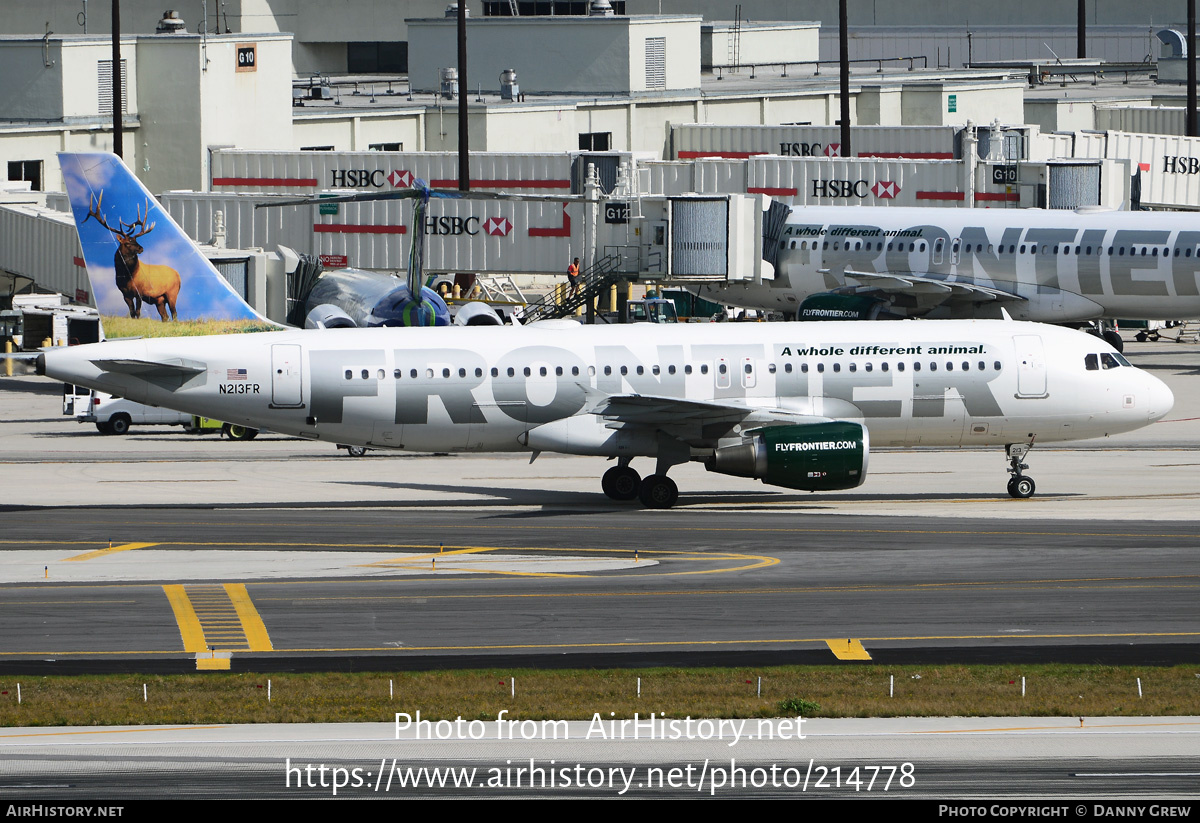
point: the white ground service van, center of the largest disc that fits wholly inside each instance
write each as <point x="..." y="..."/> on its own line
<point x="115" y="415"/>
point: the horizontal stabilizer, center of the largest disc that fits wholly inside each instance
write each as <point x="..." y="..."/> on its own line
<point x="170" y="374"/>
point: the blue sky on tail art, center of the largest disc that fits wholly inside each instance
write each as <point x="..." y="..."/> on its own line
<point x="203" y="294"/>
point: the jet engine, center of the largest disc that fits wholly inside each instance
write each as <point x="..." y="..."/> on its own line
<point x="817" y="457"/>
<point x="834" y="306"/>
<point x="327" y="316"/>
<point x="477" y="314"/>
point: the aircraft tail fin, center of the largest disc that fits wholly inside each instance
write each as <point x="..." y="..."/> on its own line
<point x="148" y="278"/>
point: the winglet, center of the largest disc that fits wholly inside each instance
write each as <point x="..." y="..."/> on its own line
<point x="144" y="270"/>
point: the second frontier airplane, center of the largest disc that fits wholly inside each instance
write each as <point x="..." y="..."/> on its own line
<point x="1052" y="266"/>
<point x="792" y="405"/>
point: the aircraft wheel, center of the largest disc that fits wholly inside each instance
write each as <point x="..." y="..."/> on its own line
<point x="119" y="424"/>
<point x="1113" y="339"/>
<point x="658" y="492"/>
<point x="1021" y="487"/>
<point x="237" y="432"/>
<point x="621" y="483"/>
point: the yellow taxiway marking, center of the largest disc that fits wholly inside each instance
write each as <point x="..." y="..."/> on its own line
<point x="217" y="617"/>
<point x="755" y="561"/>
<point x="189" y="625"/>
<point x="424" y="568"/>
<point x="434" y="555"/>
<point x="252" y="624"/>
<point x="848" y="649"/>
<point x="213" y="664"/>
<point x="113" y="550"/>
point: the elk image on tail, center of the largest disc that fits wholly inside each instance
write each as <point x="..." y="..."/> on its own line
<point x="139" y="282"/>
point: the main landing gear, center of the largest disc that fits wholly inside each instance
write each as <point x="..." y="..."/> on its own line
<point x="624" y="483"/>
<point x="1019" y="485"/>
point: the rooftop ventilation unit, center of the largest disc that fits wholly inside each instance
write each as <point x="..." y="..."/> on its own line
<point x="509" y="90"/>
<point x="449" y="82"/>
<point x="171" y="23"/>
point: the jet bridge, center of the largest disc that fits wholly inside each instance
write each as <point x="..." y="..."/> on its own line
<point x="693" y="238"/>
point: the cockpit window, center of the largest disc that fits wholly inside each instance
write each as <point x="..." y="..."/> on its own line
<point x="1092" y="362"/>
<point x="1107" y="361"/>
<point x="1121" y="359"/>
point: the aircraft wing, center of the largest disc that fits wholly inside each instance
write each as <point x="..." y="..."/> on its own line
<point x="908" y="283"/>
<point x="695" y="422"/>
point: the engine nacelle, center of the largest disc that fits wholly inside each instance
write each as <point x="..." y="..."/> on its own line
<point x="817" y="457"/>
<point x="833" y="306"/>
<point x="328" y="316"/>
<point x="477" y="314"/>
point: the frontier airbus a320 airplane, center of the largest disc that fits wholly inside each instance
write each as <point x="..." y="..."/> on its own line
<point x="795" y="405"/>
<point x="1051" y="266"/>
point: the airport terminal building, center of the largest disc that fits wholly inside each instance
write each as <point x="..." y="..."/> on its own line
<point x="662" y="107"/>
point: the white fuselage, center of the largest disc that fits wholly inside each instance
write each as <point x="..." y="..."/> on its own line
<point x="1068" y="266"/>
<point x="946" y="383"/>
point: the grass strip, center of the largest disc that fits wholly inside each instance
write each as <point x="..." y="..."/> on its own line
<point x="836" y="691"/>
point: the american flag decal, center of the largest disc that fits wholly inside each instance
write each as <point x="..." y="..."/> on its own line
<point x="235" y="374"/>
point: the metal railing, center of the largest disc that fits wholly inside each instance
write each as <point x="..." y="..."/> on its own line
<point x="754" y="67"/>
<point x="593" y="282"/>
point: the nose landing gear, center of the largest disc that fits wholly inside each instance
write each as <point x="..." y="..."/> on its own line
<point x="1020" y="485"/>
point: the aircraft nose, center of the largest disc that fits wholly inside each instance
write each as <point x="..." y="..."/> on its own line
<point x="1161" y="399"/>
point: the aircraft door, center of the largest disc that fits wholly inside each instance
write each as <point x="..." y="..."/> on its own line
<point x="722" y="375"/>
<point x="287" y="376"/>
<point x="749" y="379"/>
<point x="1031" y="366"/>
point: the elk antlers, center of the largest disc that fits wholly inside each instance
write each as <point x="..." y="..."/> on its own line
<point x="127" y="229"/>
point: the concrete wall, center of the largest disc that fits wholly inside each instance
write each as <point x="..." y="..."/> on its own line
<point x="759" y="43"/>
<point x="31" y="89"/>
<point x="585" y="55"/>
<point x="929" y="104"/>
<point x="195" y="98"/>
<point x="879" y="105"/>
<point x="66" y="88"/>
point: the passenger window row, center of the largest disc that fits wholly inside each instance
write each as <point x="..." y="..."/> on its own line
<point x="722" y="368"/>
<point x="1024" y="248"/>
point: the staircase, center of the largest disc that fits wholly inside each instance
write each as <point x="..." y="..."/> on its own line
<point x="594" y="281"/>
